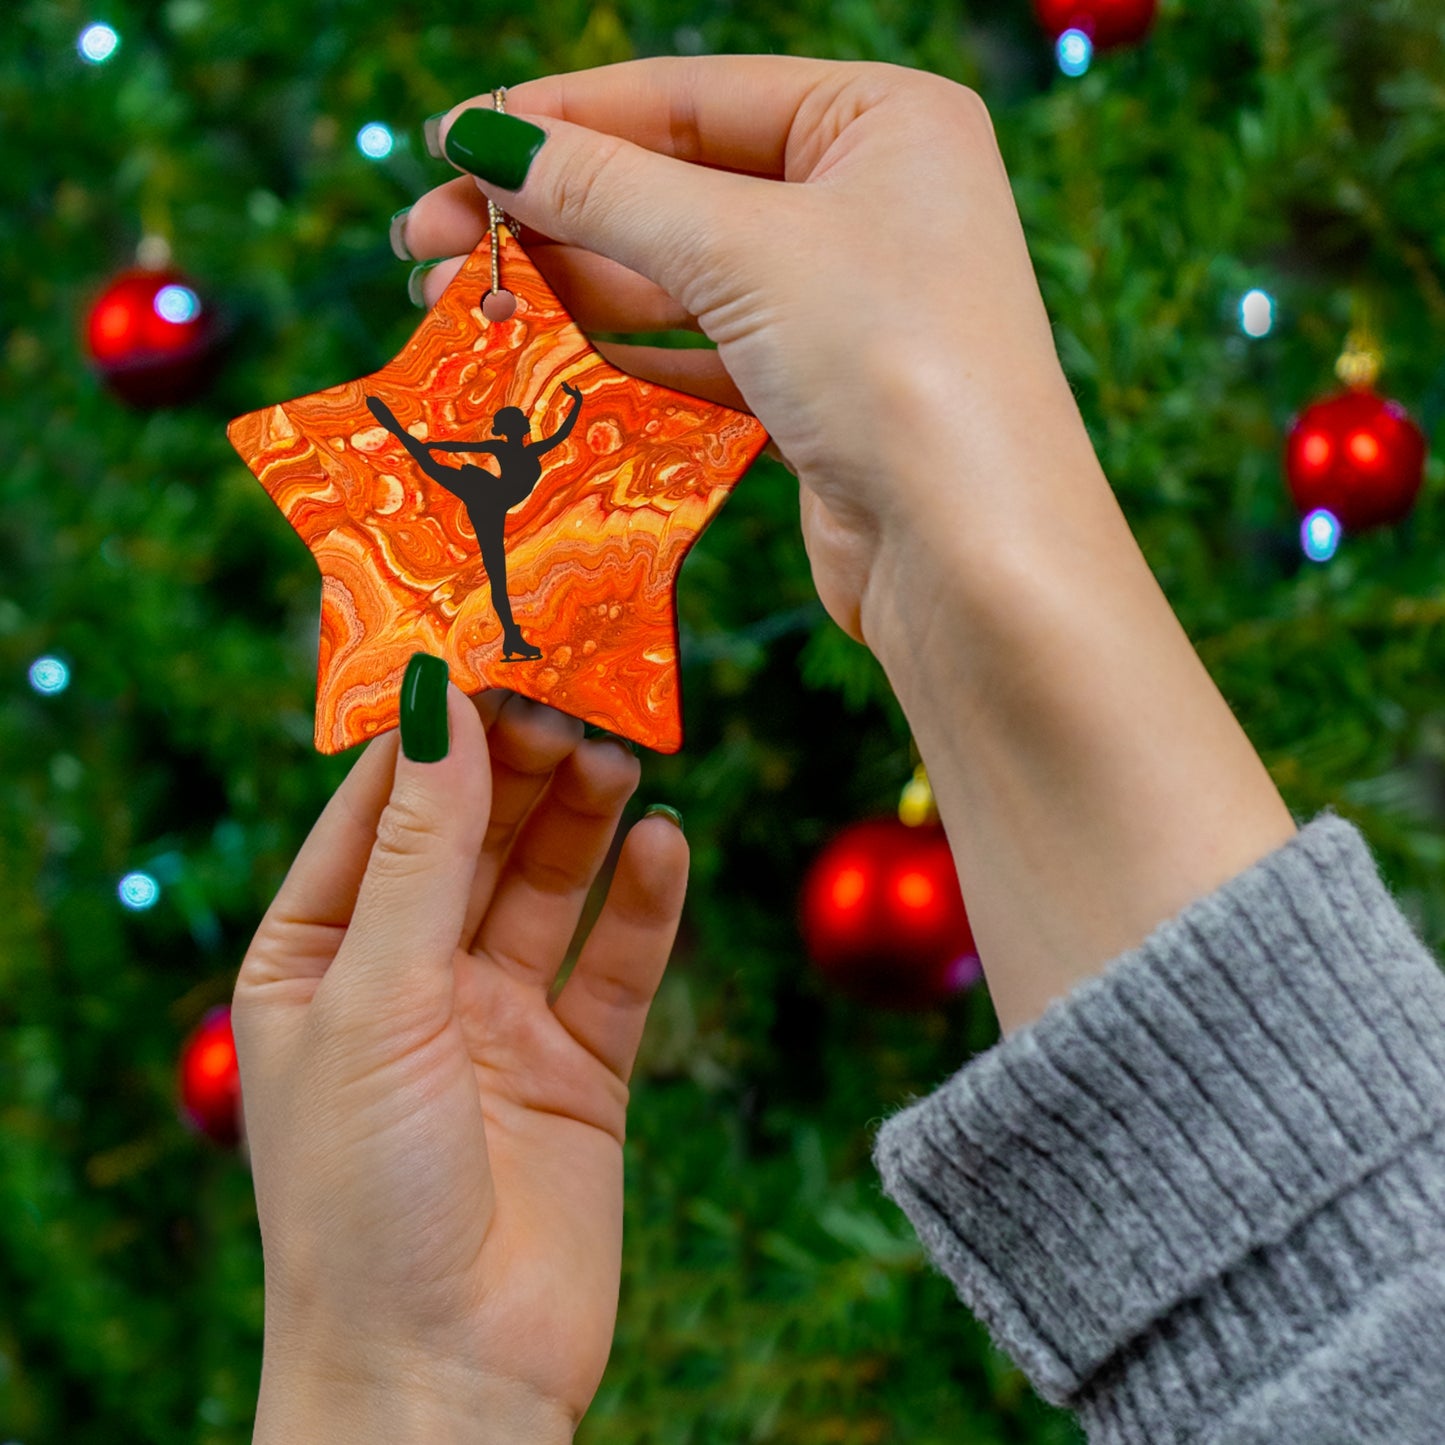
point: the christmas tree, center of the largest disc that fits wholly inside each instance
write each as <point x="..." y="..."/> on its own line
<point x="1212" y="213"/>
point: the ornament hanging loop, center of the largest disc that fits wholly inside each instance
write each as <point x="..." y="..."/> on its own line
<point x="498" y="304"/>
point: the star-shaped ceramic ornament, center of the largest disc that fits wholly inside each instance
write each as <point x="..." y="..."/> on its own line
<point x="502" y="497"/>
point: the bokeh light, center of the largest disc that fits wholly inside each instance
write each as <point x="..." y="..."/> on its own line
<point x="1256" y="313"/>
<point x="138" y="891"/>
<point x="849" y="887"/>
<point x="1075" y="52"/>
<point x="375" y="140"/>
<point x="177" y="303"/>
<point x="49" y="675"/>
<point x="97" y="43"/>
<point x="914" y="889"/>
<point x="1364" y="448"/>
<point x="964" y="971"/>
<point x="1315" y="451"/>
<point x="1320" y="535"/>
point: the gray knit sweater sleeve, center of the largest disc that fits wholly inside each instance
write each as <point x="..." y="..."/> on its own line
<point x="1202" y="1199"/>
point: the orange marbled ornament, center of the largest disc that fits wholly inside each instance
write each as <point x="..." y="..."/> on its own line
<point x="592" y="552"/>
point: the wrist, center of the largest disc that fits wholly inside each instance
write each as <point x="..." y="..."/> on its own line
<point x="981" y="513"/>
<point x="420" y="1401"/>
<point x="1092" y="779"/>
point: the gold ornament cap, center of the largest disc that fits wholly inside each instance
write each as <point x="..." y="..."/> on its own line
<point x="1360" y="362"/>
<point x="915" y="804"/>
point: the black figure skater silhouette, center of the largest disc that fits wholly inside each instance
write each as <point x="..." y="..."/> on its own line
<point x="488" y="498"/>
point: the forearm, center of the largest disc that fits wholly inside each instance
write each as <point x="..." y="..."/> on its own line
<point x="1092" y="779"/>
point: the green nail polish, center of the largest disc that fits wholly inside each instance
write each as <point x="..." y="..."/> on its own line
<point x="671" y="814"/>
<point x="424" y="734"/>
<point x="431" y="133"/>
<point x="397" y="234"/>
<point x="413" y="283"/>
<point x="498" y="148"/>
<point x="592" y="732"/>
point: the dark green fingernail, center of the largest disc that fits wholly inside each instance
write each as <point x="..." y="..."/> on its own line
<point x="591" y="730"/>
<point x="671" y="814"/>
<point x="431" y="133"/>
<point x="424" y="735"/>
<point x="413" y="283"/>
<point x="498" y="148"/>
<point x="397" y="235"/>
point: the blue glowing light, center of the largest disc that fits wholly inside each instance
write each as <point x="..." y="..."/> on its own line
<point x="1320" y="535"/>
<point x="1256" y="313"/>
<point x="138" y="891"/>
<point x="49" y="675"/>
<point x="375" y="140"/>
<point x="178" y="304"/>
<point x="1075" y="52"/>
<point x="97" y="43"/>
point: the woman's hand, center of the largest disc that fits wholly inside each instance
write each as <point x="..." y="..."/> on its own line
<point x="437" y="1148"/>
<point x="880" y="314"/>
<point x="847" y="234"/>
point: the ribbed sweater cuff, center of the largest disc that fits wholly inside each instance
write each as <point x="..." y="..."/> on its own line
<point x="1175" y="1118"/>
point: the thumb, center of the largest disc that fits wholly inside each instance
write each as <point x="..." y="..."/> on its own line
<point x="678" y="224"/>
<point x="395" y="964"/>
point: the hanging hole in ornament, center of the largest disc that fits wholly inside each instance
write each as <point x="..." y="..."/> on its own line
<point x="499" y="305"/>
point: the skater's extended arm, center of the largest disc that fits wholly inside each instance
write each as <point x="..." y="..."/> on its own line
<point x="565" y="430"/>
<point x="462" y="447"/>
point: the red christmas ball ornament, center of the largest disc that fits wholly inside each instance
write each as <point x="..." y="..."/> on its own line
<point x="883" y="916"/>
<point x="152" y="338"/>
<point x="1359" y="456"/>
<point x="210" y="1080"/>
<point x="1107" y="23"/>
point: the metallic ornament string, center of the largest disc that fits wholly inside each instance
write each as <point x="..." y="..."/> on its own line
<point x="498" y="304"/>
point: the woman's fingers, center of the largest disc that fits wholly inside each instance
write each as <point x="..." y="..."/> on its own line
<point x="299" y="934"/>
<point x="597" y="293"/>
<point x="425" y="287"/>
<point x="605" y="1000"/>
<point x="393" y="972"/>
<point x="556" y="855"/>
<point x="489" y="703"/>
<point x="696" y="370"/>
<point x="601" y="295"/>
<point x="738" y="112"/>
<point x="527" y="741"/>
<point x="448" y="223"/>
<point x="449" y="220"/>
<point x="662" y="218"/>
